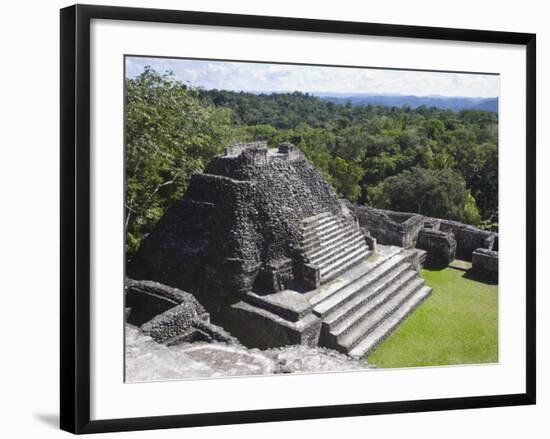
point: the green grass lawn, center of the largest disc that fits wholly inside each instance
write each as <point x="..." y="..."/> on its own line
<point x="457" y="324"/>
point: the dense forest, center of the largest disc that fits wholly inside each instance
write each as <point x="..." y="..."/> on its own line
<point x="426" y="160"/>
<point x="447" y="103"/>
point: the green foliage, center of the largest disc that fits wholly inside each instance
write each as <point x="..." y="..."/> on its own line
<point x="426" y="160"/>
<point x="346" y="178"/>
<point x="439" y="193"/>
<point x="382" y="141"/>
<point x="471" y="213"/>
<point x="169" y="134"/>
<point x="457" y="324"/>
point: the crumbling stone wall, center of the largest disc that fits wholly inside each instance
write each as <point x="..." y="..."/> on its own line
<point x="441" y="246"/>
<point x="468" y="238"/>
<point x="389" y="228"/>
<point x="169" y="315"/>
<point x="485" y="263"/>
<point x="238" y="218"/>
<point x="181" y="325"/>
<point x="442" y="239"/>
<point x="177" y="322"/>
<point x="147" y="299"/>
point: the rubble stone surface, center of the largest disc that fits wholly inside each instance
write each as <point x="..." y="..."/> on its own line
<point x="147" y="360"/>
<point x="147" y="299"/>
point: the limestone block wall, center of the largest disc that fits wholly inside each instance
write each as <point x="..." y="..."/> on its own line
<point x="441" y="246"/>
<point x="175" y="322"/>
<point x="389" y="228"/>
<point x="485" y="263"/>
<point x="146" y="299"/>
<point x="468" y="238"/>
<point x="169" y="315"/>
<point x="442" y="239"/>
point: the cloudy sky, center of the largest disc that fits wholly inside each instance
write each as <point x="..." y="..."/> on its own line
<point x="256" y="77"/>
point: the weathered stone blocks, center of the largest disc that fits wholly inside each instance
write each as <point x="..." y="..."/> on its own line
<point x="389" y="228"/>
<point x="468" y="238"/>
<point x="176" y="323"/>
<point x="311" y="275"/>
<point x="264" y="329"/>
<point x="485" y="263"/>
<point x="442" y="239"/>
<point x="441" y="246"/>
<point x="147" y="299"/>
<point x="169" y="315"/>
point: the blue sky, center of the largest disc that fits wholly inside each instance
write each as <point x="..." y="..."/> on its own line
<point x="255" y="77"/>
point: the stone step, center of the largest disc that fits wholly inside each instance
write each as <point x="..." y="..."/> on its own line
<point x="321" y="224"/>
<point x="349" y="339"/>
<point x="314" y="243"/>
<point x="316" y="218"/>
<point x="330" y="271"/>
<point x="345" y="266"/>
<point x="334" y="264"/>
<point x="368" y="343"/>
<point x="337" y="243"/>
<point x="336" y="297"/>
<point x="354" y="274"/>
<point x="335" y="273"/>
<point x="339" y="251"/>
<point x="325" y="229"/>
<point x="402" y="273"/>
<point x="383" y="295"/>
<point x="312" y="225"/>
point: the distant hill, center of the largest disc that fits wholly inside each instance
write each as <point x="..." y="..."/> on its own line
<point x="443" y="102"/>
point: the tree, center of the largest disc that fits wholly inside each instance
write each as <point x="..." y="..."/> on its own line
<point x="471" y="213"/>
<point x="383" y="141"/>
<point x="439" y="193"/>
<point x="346" y="177"/>
<point x="169" y="135"/>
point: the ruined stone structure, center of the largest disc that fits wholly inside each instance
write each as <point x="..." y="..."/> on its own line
<point x="443" y="240"/>
<point x="169" y="315"/>
<point x="263" y="242"/>
<point x="147" y="360"/>
<point x="485" y="263"/>
<point x="238" y="227"/>
<point x="441" y="246"/>
<point x="389" y="228"/>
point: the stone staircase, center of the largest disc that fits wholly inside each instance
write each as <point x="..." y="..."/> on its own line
<point x="363" y="307"/>
<point x="359" y="297"/>
<point x="332" y="244"/>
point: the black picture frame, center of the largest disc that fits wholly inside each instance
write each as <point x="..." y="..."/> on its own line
<point x="75" y="217"/>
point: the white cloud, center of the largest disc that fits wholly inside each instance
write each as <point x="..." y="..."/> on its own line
<point x="284" y="78"/>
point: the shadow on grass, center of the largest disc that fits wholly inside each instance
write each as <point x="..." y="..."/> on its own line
<point x="432" y="267"/>
<point x="469" y="273"/>
<point x="479" y="277"/>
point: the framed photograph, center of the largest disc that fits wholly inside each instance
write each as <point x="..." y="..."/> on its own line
<point x="273" y="218"/>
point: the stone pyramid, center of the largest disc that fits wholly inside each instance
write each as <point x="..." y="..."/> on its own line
<point x="263" y="242"/>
